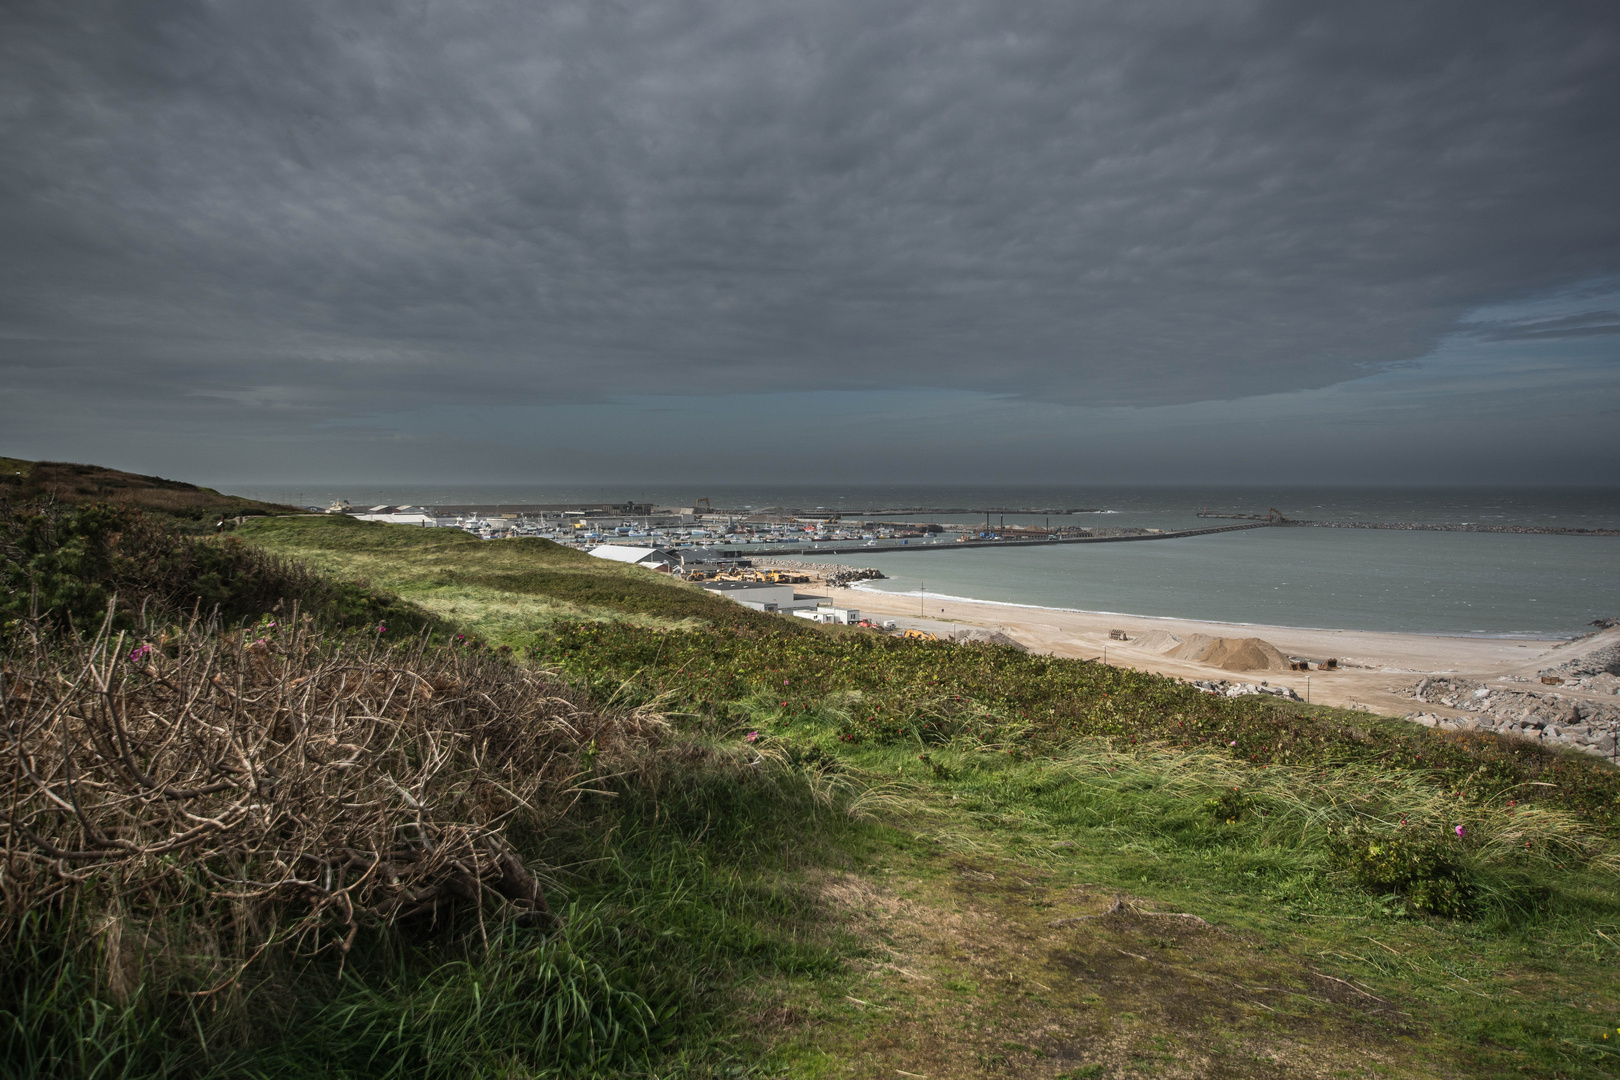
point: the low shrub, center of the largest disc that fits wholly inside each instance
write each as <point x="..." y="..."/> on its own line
<point x="1429" y="872"/>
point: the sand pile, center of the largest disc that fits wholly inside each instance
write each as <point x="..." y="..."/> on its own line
<point x="1231" y="654"/>
<point x="1158" y="641"/>
<point x="1193" y="647"/>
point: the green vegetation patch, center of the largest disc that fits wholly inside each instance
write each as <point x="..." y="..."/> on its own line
<point x="506" y="591"/>
<point x="864" y="686"/>
<point x="66" y="484"/>
<point x="67" y="565"/>
<point x="1055" y="868"/>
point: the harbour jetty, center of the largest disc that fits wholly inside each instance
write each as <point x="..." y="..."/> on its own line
<point x="1430" y="526"/>
<point x="1275" y="518"/>
<point x="876" y="547"/>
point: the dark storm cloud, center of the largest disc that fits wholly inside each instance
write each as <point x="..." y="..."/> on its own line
<point x="304" y="210"/>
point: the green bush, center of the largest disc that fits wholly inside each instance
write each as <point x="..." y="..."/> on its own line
<point x="1229" y="807"/>
<point x="1428" y="871"/>
<point x="67" y="564"/>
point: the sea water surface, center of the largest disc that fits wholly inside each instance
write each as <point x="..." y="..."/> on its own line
<point x="1419" y="582"/>
<point x="1424" y="582"/>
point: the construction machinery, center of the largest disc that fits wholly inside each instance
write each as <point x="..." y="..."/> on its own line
<point x="707" y="506"/>
<point x="919" y="635"/>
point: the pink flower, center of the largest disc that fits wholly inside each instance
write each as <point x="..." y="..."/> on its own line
<point x="140" y="652"/>
<point x="752" y="736"/>
<point x="381" y="629"/>
<point x="1232" y="743"/>
<point x="1459" y="830"/>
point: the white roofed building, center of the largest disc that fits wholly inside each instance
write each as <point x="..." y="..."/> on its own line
<point x="636" y="556"/>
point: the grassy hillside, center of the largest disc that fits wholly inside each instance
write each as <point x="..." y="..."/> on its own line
<point x="1073" y="870"/>
<point x="68" y="484"/>
<point x="762" y="848"/>
<point x="511" y="592"/>
<point x="299" y="846"/>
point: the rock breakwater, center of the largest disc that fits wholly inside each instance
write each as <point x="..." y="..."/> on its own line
<point x="1430" y="526"/>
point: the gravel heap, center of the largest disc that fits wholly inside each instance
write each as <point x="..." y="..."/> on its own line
<point x="978" y="635"/>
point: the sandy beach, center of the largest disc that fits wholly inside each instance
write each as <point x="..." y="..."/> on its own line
<point x="1375" y="668"/>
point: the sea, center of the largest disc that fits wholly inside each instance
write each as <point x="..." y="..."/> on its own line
<point x="1448" y="583"/>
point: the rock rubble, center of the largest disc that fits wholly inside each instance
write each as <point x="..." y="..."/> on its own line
<point x="1553" y="717"/>
<point x="1601" y="662"/>
<point x="1226" y="688"/>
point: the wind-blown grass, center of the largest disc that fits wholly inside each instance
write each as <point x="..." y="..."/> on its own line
<point x="507" y="591"/>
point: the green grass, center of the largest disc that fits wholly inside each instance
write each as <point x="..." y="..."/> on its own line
<point x="1008" y="800"/>
<point x="1526" y="986"/>
<point x="871" y="857"/>
<point x="508" y="592"/>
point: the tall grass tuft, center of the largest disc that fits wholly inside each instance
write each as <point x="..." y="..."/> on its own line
<point x="529" y="1005"/>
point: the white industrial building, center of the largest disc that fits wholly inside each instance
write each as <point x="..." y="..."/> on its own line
<point x="651" y="558"/>
<point x="396" y="515"/>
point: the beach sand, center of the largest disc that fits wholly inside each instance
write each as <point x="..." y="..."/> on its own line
<point x="1375" y="667"/>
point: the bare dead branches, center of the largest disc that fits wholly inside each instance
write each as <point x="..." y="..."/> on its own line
<point x="288" y="781"/>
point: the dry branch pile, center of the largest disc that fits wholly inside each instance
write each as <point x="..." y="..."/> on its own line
<point x="291" y="786"/>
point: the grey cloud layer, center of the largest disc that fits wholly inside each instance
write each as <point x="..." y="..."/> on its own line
<point x="331" y="209"/>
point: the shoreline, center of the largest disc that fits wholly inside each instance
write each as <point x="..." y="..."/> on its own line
<point x="1463" y="635"/>
<point x="1376" y="673"/>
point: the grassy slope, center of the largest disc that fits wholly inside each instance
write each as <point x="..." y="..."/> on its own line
<point x="70" y="484"/>
<point x="508" y="592"/>
<point x="975" y="908"/>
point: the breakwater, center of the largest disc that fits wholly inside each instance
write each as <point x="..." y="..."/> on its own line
<point x="869" y="547"/>
<point x="1429" y="526"/>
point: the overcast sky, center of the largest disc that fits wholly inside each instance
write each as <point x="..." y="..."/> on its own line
<point x="747" y="240"/>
